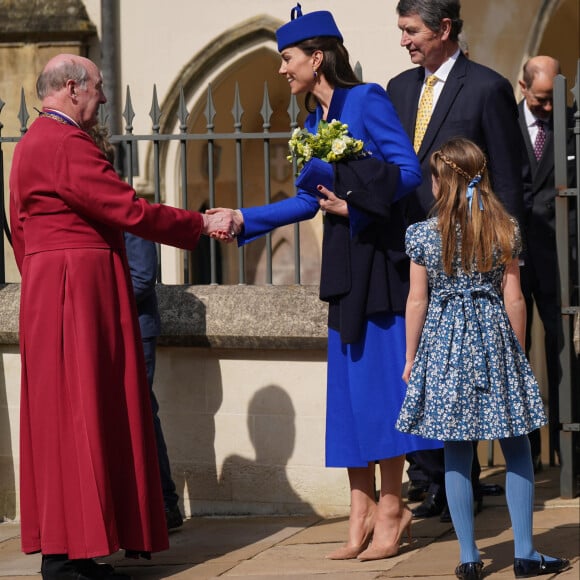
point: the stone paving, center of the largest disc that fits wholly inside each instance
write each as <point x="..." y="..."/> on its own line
<point x="261" y="548"/>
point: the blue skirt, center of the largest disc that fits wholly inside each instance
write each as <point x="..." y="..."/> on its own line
<point x="365" y="393"/>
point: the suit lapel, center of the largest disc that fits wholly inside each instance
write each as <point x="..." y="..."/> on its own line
<point x="451" y="89"/>
<point x="526" y="135"/>
<point x="541" y="168"/>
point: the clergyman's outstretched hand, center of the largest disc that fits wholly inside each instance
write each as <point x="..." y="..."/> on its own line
<point x="226" y="223"/>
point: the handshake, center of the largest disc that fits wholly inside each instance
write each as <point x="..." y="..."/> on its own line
<point x="222" y="223"/>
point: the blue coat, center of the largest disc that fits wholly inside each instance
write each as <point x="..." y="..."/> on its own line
<point x="370" y="116"/>
<point x="364" y="273"/>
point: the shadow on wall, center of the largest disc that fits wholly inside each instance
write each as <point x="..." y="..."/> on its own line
<point x="263" y="482"/>
<point x="188" y="387"/>
<point x="7" y="476"/>
<point x="229" y="450"/>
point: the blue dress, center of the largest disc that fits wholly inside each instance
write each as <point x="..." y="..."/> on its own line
<point x="365" y="392"/>
<point x="470" y="379"/>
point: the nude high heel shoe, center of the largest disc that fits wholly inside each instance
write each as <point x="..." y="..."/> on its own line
<point x="347" y="552"/>
<point x="379" y="552"/>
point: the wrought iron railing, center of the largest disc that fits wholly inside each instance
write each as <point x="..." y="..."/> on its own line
<point x="128" y="163"/>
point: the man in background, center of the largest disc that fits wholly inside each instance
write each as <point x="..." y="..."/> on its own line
<point x="142" y="258"/>
<point x="89" y="485"/>
<point x="539" y="273"/>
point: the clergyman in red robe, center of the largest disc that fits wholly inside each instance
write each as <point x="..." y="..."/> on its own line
<point x="89" y="478"/>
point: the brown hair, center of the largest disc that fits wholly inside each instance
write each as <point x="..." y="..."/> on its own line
<point x="487" y="230"/>
<point x="335" y="64"/>
<point x="100" y="134"/>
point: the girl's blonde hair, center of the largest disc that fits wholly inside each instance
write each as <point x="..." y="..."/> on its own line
<point x="467" y="204"/>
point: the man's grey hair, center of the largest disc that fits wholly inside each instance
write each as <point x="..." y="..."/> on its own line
<point x="432" y="12"/>
<point x="56" y="77"/>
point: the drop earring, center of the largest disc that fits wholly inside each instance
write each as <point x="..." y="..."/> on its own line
<point x="315" y="73"/>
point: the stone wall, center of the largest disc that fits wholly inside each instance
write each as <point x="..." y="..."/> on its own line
<point x="241" y="381"/>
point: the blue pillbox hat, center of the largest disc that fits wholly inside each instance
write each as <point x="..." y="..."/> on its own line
<point x="302" y="27"/>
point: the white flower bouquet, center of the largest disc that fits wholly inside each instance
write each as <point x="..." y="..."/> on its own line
<point x="315" y="152"/>
<point x="330" y="143"/>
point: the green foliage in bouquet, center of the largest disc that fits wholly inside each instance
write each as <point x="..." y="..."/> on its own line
<point x="330" y="143"/>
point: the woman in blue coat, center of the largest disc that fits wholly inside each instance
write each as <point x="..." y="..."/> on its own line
<point x="364" y="276"/>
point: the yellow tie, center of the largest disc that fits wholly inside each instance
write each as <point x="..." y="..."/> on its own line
<point x="424" y="111"/>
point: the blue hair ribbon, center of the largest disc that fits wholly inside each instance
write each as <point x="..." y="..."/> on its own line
<point x="470" y="190"/>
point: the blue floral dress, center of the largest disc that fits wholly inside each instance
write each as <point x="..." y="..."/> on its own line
<point x="470" y="379"/>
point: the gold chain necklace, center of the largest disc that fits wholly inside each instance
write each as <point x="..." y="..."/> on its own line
<point x="57" y="117"/>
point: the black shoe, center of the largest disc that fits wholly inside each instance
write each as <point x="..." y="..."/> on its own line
<point x="59" y="567"/>
<point x="529" y="568"/>
<point x="95" y="570"/>
<point x="173" y="517"/>
<point x="432" y="505"/>
<point x="490" y="489"/>
<point x="416" y="490"/>
<point x="470" y="571"/>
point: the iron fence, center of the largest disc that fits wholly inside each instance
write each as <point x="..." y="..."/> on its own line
<point x="127" y="164"/>
<point x="567" y="203"/>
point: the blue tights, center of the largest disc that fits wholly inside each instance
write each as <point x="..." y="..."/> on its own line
<point x="519" y="495"/>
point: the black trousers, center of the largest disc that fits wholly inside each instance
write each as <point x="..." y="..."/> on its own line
<point x="170" y="497"/>
<point x="545" y="295"/>
<point x="429" y="467"/>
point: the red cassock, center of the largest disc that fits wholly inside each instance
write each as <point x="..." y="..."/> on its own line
<point x="89" y="478"/>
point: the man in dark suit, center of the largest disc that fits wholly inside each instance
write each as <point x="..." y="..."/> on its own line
<point x="539" y="273"/>
<point x="142" y="258"/>
<point x="468" y="100"/>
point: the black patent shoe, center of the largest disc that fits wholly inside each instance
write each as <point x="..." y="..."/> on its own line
<point x="416" y="490"/>
<point x="432" y="505"/>
<point x="470" y="571"/>
<point x="529" y="568"/>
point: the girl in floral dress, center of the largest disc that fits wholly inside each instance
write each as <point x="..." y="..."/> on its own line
<point x="468" y="377"/>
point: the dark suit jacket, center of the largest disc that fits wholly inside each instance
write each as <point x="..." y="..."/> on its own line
<point x="142" y="258"/>
<point x="476" y="103"/>
<point x="540" y="203"/>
